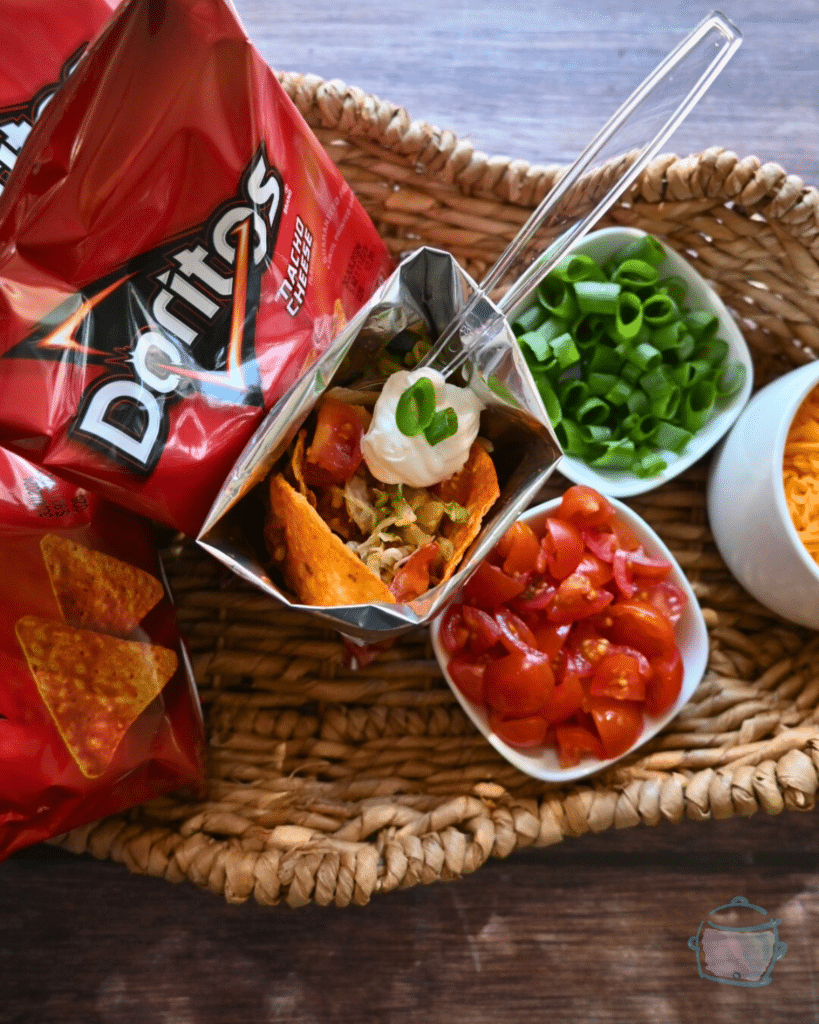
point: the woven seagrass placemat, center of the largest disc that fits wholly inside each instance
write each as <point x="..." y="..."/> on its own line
<point x="330" y="785"/>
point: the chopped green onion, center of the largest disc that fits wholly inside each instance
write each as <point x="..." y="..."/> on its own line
<point x="457" y="513"/>
<point x="731" y="381"/>
<point x="702" y="324"/>
<point x="443" y="424"/>
<point x="557" y="298"/>
<point x="618" y="455"/>
<point x="565" y="351"/>
<point x="579" y="268"/>
<point x="416" y="407"/>
<point x="659" y="309"/>
<point x="674" y="287"/>
<point x="628" y="316"/>
<point x="529" y="320"/>
<point x="635" y="274"/>
<point x="596" y="296"/>
<point x="671" y="437"/>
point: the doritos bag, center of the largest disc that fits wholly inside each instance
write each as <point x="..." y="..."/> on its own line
<point x="175" y="249"/>
<point x="42" y="43"/>
<point x="98" y="710"/>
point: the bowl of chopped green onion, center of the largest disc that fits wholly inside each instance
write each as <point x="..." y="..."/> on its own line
<point x="640" y="366"/>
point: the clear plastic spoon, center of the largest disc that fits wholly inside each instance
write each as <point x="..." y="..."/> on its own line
<point x="653" y="111"/>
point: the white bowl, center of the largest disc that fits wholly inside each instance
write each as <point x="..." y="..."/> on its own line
<point x="692" y="639"/>
<point x="747" y="510"/>
<point x="621" y="483"/>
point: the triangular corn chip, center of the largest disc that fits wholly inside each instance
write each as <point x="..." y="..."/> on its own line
<point x="94" y="686"/>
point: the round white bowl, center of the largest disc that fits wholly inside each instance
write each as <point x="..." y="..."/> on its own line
<point x="747" y="510"/>
<point x="600" y="245"/>
<point x="692" y="638"/>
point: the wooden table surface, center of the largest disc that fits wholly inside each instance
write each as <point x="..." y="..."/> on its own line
<point x="594" y="929"/>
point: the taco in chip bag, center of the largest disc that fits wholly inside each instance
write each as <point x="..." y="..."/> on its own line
<point x="380" y="496"/>
<point x="176" y="248"/>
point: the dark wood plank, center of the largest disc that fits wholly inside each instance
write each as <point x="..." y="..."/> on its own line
<point x="594" y="930"/>
<point x="536" y="81"/>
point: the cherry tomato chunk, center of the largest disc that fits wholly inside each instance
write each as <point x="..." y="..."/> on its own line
<point x="518" y="684"/>
<point x="519" y="732"/>
<point x="519" y="548"/>
<point x="489" y="586"/>
<point x="335" y="452"/>
<point x="467" y="674"/>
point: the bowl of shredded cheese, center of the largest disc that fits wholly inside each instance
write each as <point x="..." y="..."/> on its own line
<point x="763" y="496"/>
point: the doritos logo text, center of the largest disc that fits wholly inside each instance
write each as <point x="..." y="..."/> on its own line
<point x="16" y="122"/>
<point x="189" y="308"/>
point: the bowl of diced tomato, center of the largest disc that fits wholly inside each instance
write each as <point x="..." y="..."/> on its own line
<point x="576" y="640"/>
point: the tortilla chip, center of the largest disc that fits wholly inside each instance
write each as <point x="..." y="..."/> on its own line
<point x="94" y="686"/>
<point x="98" y="591"/>
<point x="318" y="567"/>
<point x="475" y="487"/>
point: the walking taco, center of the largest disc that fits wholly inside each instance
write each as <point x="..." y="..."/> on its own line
<point x="375" y="485"/>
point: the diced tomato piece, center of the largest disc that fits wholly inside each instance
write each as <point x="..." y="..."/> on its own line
<point x="518" y="548"/>
<point x="618" y="676"/>
<point x="644" y="567"/>
<point x="513" y="632"/>
<point x="484" y="632"/>
<point x="665" y="596"/>
<point x="467" y="674"/>
<point x="601" y="543"/>
<point x="619" y="723"/>
<point x="595" y="569"/>
<point x="576" y="598"/>
<point x="567" y="699"/>
<point x="561" y="548"/>
<point x="585" y="507"/>
<point x="454" y="632"/>
<point x="490" y="586"/>
<point x="412" y="579"/>
<point x="622" y="573"/>
<point x="519" y="732"/>
<point x="535" y="595"/>
<point x="335" y="452"/>
<point x="550" y="637"/>
<point x="666" y="683"/>
<point x="518" y="684"/>
<point x="642" y="626"/>
<point x="575" y="742"/>
<point x="586" y="647"/>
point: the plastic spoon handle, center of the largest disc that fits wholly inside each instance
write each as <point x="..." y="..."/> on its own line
<point x="655" y="109"/>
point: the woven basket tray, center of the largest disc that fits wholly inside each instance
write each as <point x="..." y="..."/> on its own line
<point x="330" y="786"/>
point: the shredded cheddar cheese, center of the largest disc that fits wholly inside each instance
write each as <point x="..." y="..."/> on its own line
<point x="800" y="472"/>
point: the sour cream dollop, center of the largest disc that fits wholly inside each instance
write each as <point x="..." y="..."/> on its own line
<point x="394" y="458"/>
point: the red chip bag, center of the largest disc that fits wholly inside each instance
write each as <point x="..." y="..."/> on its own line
<point x="98" y="710"/>
<point x="175" y="249"/>
<point x="42" y="43"/>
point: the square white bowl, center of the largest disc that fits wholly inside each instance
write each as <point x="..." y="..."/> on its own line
<point x="692" y="639"/>
<point x="601" y="245"/>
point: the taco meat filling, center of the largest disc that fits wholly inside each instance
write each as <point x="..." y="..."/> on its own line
<point x="342" y="536"/>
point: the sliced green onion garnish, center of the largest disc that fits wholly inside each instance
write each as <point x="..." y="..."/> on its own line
<point x="457" y="513"/>
<point x="597" y="296"/>
<point x="443" y="424"/>
<point x="416" y="407"/>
